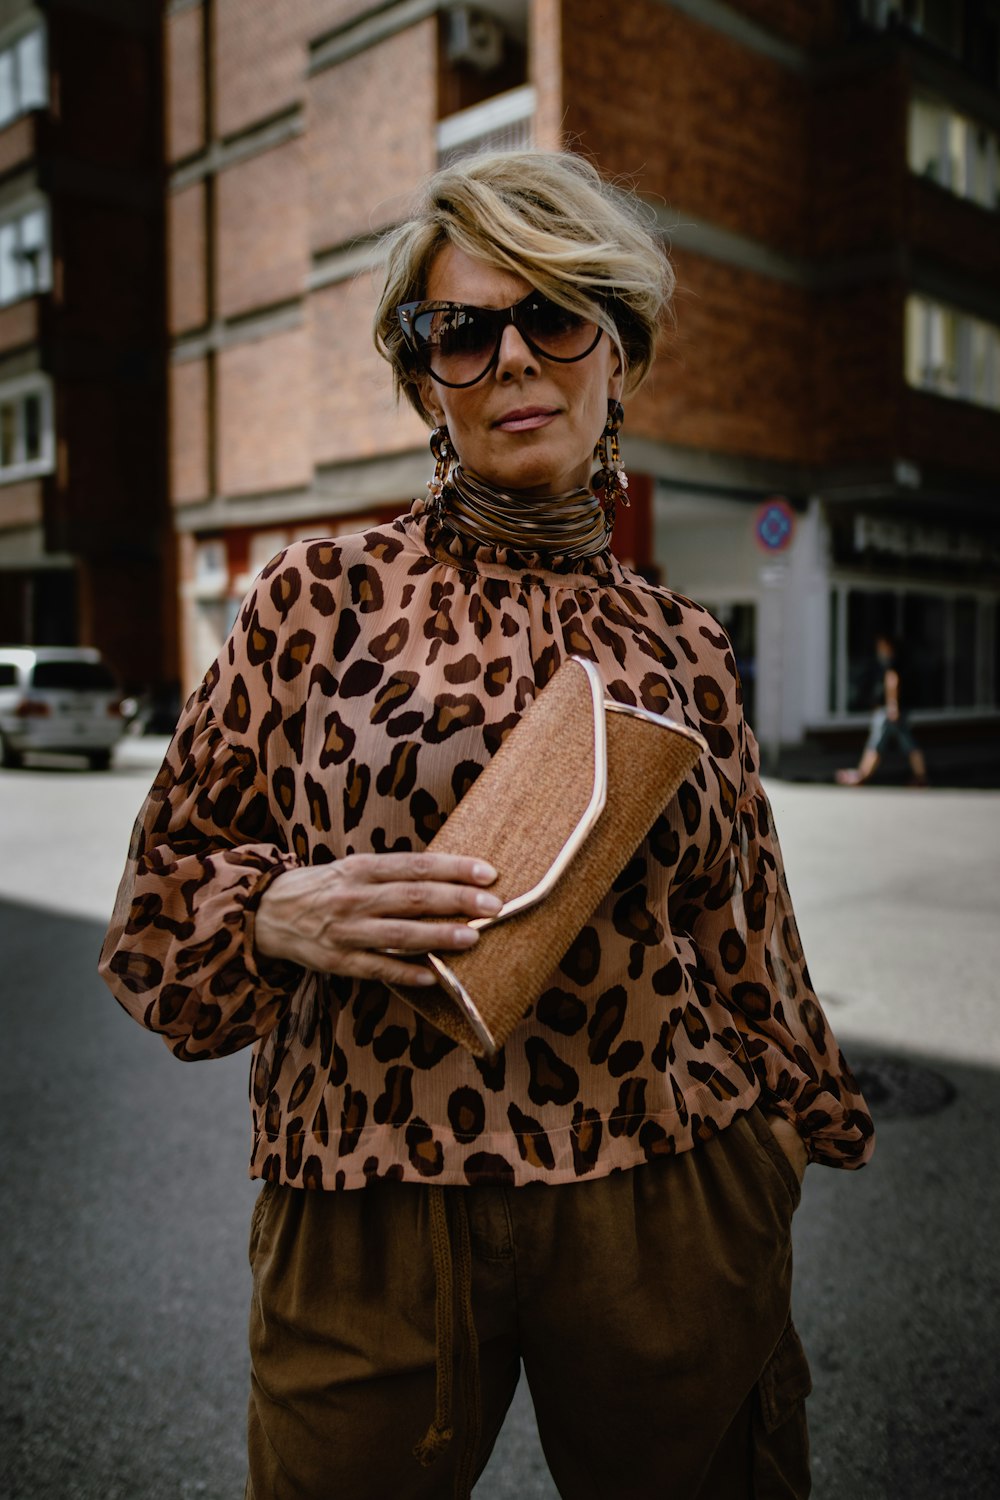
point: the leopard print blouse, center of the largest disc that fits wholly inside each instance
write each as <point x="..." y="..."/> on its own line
<point x="367" y="682"/>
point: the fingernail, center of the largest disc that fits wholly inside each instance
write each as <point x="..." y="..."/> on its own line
<point x="424" y="978"/>
<point x="466" y="937"/>
<point x="482" y="871"/>
<point x="487" y="903"/>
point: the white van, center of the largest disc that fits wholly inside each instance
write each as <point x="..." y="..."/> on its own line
<point x="62" y="698"/>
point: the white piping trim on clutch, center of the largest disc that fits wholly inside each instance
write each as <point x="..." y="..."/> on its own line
<point x="456" y="989"/>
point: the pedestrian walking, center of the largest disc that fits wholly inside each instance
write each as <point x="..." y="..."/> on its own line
<point x="608" y="1201"/>
<point x="890" y="724"/>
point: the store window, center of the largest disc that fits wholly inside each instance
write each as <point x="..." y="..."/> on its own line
<point x="24" y="83"/>
<point x="951" y="353"/>
<point x="26" y="440"/>
<point x="25" y="262"/>
<point x="964" y="653"/>
<point x="739" y="621"/>
<point x="942" y="649"/>
<point x="924" y="651"/>
<point x="869" y="614"/>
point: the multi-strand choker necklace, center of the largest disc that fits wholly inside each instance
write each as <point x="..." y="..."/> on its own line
<point x="571" y="524"/>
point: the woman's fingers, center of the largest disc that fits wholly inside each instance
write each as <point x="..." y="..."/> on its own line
<point x="427" y="898"/>
<point x="342" y="918"/>
<point x="449" y="868"/>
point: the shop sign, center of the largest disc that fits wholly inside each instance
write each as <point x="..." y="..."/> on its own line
<point x="873" y="534"/>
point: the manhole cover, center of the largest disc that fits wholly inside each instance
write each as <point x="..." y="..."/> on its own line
<point x="895" y="1089"/>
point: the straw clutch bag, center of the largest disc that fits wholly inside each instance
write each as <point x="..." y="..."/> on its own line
<point x="559" y="811"/>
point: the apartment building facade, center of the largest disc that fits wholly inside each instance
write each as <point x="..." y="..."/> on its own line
<point x="817" y="454"/>
<point x="84" y="525"/>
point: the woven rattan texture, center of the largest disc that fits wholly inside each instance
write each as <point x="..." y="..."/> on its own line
<point x="534" y="792"/>
<point x="502" y="819"/>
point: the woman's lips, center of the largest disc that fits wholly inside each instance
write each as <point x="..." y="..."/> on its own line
<point x="525" y="419"/>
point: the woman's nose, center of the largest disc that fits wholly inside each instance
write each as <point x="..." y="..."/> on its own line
<point x="516" y="357"/>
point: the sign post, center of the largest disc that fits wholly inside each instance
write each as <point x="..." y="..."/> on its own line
<point x="774" y="530"/>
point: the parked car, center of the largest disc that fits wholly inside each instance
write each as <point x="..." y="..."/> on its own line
<point x="62" y="698"/>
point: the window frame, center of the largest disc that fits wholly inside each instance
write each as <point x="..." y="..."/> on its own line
<point x="14" y="217"/>
<point x="929" y="328"/>
<point x="958" y="137"/>
<point x="26" y="27"/>
<point x="15" y="393"/>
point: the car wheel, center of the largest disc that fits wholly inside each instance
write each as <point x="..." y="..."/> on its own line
<point x="9" y="757"/>
<point x="100" y="760"/>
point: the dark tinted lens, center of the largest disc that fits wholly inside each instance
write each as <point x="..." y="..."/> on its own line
<point x="457" y="342"/>
<point x="556" y="331"/>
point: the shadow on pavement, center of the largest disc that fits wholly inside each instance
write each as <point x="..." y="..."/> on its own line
<point x="126" y="1205"/>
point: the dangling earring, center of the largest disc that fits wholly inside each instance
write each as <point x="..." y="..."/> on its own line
<point x="443" y="452"/>
<point x="610" y="483"/>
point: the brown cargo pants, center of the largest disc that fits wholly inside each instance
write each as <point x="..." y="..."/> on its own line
<point x="650" y="1310"/>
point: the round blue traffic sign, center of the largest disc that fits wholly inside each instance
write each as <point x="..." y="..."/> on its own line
<point x="774" y="525"/>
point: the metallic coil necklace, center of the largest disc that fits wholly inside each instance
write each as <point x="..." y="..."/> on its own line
<point x="571" y="524"/>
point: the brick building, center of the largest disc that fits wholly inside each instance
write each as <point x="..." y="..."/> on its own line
<point x="84" y="524"/>
<point x="827" y="176"/>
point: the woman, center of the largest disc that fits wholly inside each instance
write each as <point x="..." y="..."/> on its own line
<point x="609" y="1202"/>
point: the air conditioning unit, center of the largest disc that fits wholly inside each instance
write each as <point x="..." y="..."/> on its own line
<point x="474" y="38"/>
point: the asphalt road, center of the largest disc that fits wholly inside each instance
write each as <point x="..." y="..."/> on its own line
<point x="125" y="1197"/>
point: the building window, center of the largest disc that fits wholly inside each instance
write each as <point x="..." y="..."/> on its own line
<point x="25" y="262"/>
<point x="940" y="22"/>
<point x="942" y="646"/>
<point x="951" y="353"/>
<point x="24" y="82"/>
<point x="26" y="440"/>
<point x="485" y="101"/>
<point x="505" y="123"/>
<point x="955" y="152"/>
<point x="739" y="620"/>
<point x="964" y="652"/>
<point x="927" y="652"/>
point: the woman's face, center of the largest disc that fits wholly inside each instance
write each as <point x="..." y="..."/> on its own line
<point x="530" y="424"/>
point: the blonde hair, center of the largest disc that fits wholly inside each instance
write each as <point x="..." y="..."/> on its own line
<point x="548" y="217"/>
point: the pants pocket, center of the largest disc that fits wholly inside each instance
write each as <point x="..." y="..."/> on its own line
<point x="768" y="1143"/>
<point x="257" y="1219"/>
<point x="780" y="1428"/>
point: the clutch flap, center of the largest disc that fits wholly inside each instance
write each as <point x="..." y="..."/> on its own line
<point x="531" y="827"/>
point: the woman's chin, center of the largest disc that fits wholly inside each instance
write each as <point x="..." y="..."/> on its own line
<point x="532" y="478"/>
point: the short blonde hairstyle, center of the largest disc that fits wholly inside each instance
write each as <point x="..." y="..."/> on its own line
<point x="550" y="218"/>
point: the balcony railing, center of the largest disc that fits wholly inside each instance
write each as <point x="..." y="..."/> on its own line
<point x="503" y="123"/>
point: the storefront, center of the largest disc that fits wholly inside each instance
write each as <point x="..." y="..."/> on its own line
<point x="803" y="618"/>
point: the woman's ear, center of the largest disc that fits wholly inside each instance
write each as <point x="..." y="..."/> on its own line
<point x="616" y="375"/>
<point x="429" y="397"/>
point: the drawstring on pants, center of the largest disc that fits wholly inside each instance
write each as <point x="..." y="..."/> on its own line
<point x="446" y="1282"/>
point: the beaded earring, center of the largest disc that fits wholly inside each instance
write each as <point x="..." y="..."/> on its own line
<point x="443" y="452"/>
<point x="610" y="483"/>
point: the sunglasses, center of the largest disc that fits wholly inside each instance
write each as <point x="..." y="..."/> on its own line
<point x="458" y="344"/>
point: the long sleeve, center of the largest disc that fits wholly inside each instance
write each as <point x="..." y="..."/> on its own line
<point x="736" y="926"/>
<point x="179" y="953"/>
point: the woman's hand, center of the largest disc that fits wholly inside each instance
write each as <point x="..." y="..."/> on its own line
<point x="339" y="918"/>
<point x="791" y="1143"/>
